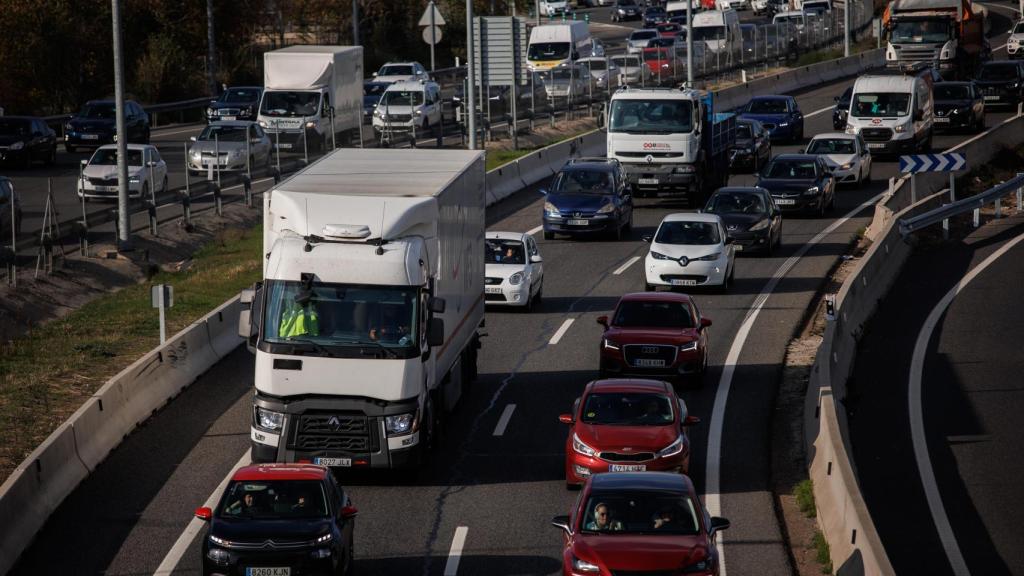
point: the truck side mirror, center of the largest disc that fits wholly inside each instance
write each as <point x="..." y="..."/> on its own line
<point x="918" y="115"/>
<point x="435" y="332"/>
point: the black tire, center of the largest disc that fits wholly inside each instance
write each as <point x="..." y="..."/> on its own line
<point x="52" y="158"/>
<point x="549" y="235"/>
<point x="69" y="149"/>
<point x="27" y="162"/>
<point x="164" y="189"/>
<point x="538" y="298"/>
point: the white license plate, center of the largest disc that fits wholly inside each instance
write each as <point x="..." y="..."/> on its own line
<point x="650" y="362"/>
<point x="90" y="136"/>
<point x="647" y="181"/>
<point x="492" y="289"/>
<point x="683" y="282"/>
<point x="627" y="467"/>
<point x="942" y="120"/>
<point x="105" y="188"/>
<point x="284" y="146"/>
<point x="227" y="117"/>
<point x="987" y="97"/>
<point x="876" y="145"/>
<point x="739" y="247"/>
<point x="577" y="222"/>
<point x="785" y="202"/>
<point x="343" y="462"/>
<point x="283" y="571"/>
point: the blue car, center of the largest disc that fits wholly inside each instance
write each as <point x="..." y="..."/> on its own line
<point x="800" y="183"/>
<point x="780" y="115"/>
<point x="588" y="196"/>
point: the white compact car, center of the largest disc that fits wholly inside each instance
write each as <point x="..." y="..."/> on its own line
<point x="409" y="107"/>
<point x="690" y="250"/>
<point x="513" y="269"/>
<point x="146" y="169"/>
<point x="1015" y="43"/>
<point x="846" y="154"/>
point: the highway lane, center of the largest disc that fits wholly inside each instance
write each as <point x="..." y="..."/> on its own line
<point x="971" y="398"/>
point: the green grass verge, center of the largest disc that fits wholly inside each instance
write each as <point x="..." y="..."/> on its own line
<point x="496" y="158"/>
<point x="809" y="58"/>
<point x="804" y="492"/>
<point x="822" y="553"/>
<point x="47" y="374"/>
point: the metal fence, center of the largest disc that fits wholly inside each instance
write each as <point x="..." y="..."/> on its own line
<point x="973" y="204"/>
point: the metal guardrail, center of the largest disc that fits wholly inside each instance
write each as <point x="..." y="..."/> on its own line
<point x="57" y="121"/>
<point x="971" y="204"/>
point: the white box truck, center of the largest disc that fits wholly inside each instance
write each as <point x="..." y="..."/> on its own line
<point x="314" y="92"/>
<point x="365" y="326"/>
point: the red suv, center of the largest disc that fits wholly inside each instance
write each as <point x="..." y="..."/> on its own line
<point x="644" y="523"/>
<point x="660" y="334"/>
<point x="626" y="426"/>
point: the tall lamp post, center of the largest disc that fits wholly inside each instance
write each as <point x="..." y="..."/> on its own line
<point x="123" y="221"/>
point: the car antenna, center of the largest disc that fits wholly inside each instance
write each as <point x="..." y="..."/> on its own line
<point x="380" y="241"/>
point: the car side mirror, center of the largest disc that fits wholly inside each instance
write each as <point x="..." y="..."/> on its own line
<point x="543" y="191"/>
<point x="84" y="162"/>
<point x="435" y="332"/>
<point x="565" y="418"/>
<point x="436" y="305"/>
<point x="152" y="164"/>
<point x="691" y="421"/>
<point x="348" y="512"/>
<point x="562" y="522"/>
<point x="646" y="238"/>
<point x="374" y="74"/>
<point x="204" y="514"/>
<point x="603" y="321"/>
<point x="718" y="523"/>
<point x="536" y="259"/>
<point x="705" y="322"/>
<point x="192" y="139"/>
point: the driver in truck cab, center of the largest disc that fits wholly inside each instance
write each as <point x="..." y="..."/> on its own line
<point x="299" y="319"/>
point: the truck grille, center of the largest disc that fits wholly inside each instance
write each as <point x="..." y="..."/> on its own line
<point x="634" y="352"/>
<point x="227" y="112"/>
<point x="620" y="457"/>
<point x="651" y="154"/>
<point x="344" y="432"/>
<point x="877" y="134"/>
<point x="917" y="54"/>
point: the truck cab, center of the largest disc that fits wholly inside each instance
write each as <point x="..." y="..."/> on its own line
<point x="894" y="113"/>
<point x="947" y="32"/>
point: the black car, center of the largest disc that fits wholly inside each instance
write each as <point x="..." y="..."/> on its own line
<point x="750" y="216"/>
<point x="235" y="103"/>
<point x="654" y="15"/>
<point x="753" y="147"/>
<point x="842" y="109"/>
<point x="372" y="92"/>
<point x="7" y="198"/>
<point x="625" y="10"/>
<point x="96" y="124"/>
<point x="280" y="519"/>
<point x="24" y="140"/>
<point x="1001" y="82"/>
<point x="799" y="182"/>
<point x="958" y="105"/>
<point x="588" y="196"/>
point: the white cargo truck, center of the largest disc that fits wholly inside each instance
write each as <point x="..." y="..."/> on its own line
<point x="311" y="95"/>
<point x="365" y="327"/>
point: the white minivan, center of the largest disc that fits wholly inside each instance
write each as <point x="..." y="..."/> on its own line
<point x="409" y="106"/>
<point x="718" y="29"/>
<point x="893" y="113"/>
<point x="555" y="44"/>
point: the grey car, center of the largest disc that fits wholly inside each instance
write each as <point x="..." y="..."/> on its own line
<point x="228" y="139"/>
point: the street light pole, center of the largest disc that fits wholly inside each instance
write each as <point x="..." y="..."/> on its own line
<point x="689" y="43"/>
<point x="123" y="221"/>
<point x="211" y="51"/>
<point x="846" y="27"/>
<point x="471" y="65"/>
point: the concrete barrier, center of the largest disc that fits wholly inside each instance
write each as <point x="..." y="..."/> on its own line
<point x="23" y="513"/>
<point x="503" y="181"/>
<point x="222" y="327"/>
<point x="535" y="167"/>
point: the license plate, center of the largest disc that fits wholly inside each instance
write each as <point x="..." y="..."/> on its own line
<point x="991" y="97"/>
<point x="105" y="188"/>
<point x="785" y="202"/>
<point x="577" y="222"/>
<point x="284" y="146"/>
<point x="683" y="282"/>
<point x="343" y="462"/>
<point x="650" y="362"/>
<point x="283" y="571"/>
<point x="876" y="145"/>
<point x="942" y="120"/>
<point x="627" y="467"/>
<point x="739" y="247"/>
<point x="647" y="181"/>
<point x="492" y="289"/>
<point x="90" y="136"/>
<point x="228" y="117"/>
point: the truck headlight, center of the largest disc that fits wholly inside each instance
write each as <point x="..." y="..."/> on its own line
<point x="399" y="424"/>
<point x="850" y="129"/>
<point x="899" y="128"/>
<point x="268" y="419"/>
<point x="582" y="448"/>
<point x="310" y="125"/>
<point x="262" y="123"/>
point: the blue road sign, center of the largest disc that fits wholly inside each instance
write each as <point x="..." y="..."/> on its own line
<point x="933" y="163"/>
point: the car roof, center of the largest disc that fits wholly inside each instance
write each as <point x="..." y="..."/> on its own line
<point x="772" y="97"/>
<point x="655" y="297"/>
<point x="589" y="166"/>
<point x="628" y="385"/>
<point x="659" y="481"/>
<point x="808" y="157"/>
<point x="280" y="472"/>
<point x="834" y="136"/>
<point x="741" y="190"/>
<point x="129" y="146"/>
<point x="693" y="217"/>
<point x="497" y="235"/>
<point x="244" y="88"/>
<point x="409" y="85"/>
<point x="401" y="62"/>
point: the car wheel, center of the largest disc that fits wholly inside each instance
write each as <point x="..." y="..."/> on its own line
<point x="549" y="235"/>
<point x="538" y="298"/>
<point x="27" y="162"/>
<point x="69" y="149"/>
<point x="164" y="189"/>
<point x="52" y="159"/>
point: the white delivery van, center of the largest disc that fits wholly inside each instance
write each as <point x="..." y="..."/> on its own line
<point x="718" y="29"/>
<point x="555" y="44"/>
<point x="893" y="113"/>
<point x="677" y="8"/>
<point x="796" y="19"/>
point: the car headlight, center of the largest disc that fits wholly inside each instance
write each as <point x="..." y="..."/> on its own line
<point x="218" y="556"/>
<point x="760" y="225"/>
<point x="68" y="127"/>
<point x="850" y="129"/>
<point x="846" y="166"/>
<point x="324" y="539"/>
<point x="660" y="256"/>
<point x="688" y="347"/>
<point x="812" y="191"/>
<point x="210" y="111"/>
<point x="269" y="419"/>
<point x="17" y="146"/>
<point x="710" y="257"/>
<point x="196" y="155"/>
<point x="899" y="128"/>
<point x="515" y="279"/>
<point x="399" y="423"/>
<point x="783" y="124"/>
<point x="378" y="113"/>
<point x="703" y="565"/>
<point x="550" y="209"/>
<point x="672" y="449"/>
<point x="582" y="448"/>
<point x="310" y="124"/>
<point x="262" y="123"/>
<point x="608" y="344"/>
<point x="235" y="153"/>
<point x="607" y="208"/>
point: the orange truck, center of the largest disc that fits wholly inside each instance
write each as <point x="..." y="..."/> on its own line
<point x="946" y="34"/>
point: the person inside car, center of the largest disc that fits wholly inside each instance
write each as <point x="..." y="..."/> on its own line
<point x="602" y="519"/>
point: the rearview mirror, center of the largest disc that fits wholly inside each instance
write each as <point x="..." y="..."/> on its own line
<point x="536" y="259"/>
<point x="603" y="321"/>
<point x="565" y="418"/>
<point x="691" y="420"/>
<point x="705" y="322"/>
<point x="204" y="513"/>
<point x="436" y="305"/>
<point x="348" y="512"/>
<point x="563" y="523"/>
<point x="543" y="191"/>
<point x="646" y="238"/>
<point x="718" y="523"/>
<point x="435" y="332"/>
<point x="192" y="138"/>
<point x="84" y="162"/>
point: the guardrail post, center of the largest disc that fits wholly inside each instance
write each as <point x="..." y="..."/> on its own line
<point x="913" y="188"/>
<point x="305" y="147"/>
<point x="9" y="257"/>
<point x="247" y="188"/>
<point x="151" y="209"/>
<point x="277" y="175"/>
<point x="1020" y="194"/>
<point x="12" y="256"/>
<point x="998" y="210"/>
<point x="248" y="154"/>
<point x="82" y="231"/>
<point x="216" y="155"/>
<point x="216" y="198"/>
<point x="977" y="217"/>
<point x="186" y="210"/>
<point x="117" y="225"/>
<point x="187" y="173"/>
<point x="277" y="152"/>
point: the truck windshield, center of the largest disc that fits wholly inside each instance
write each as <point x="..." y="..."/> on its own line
<point x="870" y="105"/>
<point x="325" y="314"/>
<point x="919" y="31"/>
<point x="290" y="103"/>
<point x="401" y="98"/>
<point x="650" y="116"/>
<point x="548" y="51"/>
<point x="709" y="33"/>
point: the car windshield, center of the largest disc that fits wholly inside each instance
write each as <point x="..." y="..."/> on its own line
<point x="688" y="233"/>
<point x="881" y="104"/>
<point x="108" y="157"/>
<point x="998" y="72"/>
<point x="290" y="103"/>
<point x="832" y="146"/>
<point x="650" y="116"/>
<point x="584" y="182"/>
<point x="548" y="51"/>
<point x="596" y="64"/>
<point x="273" y="499"/>
<point x="652" y="314"/>
<point x="504" y="252"/>
<point x="844" y="100"/>
<point x="627" y="409"/>
<point x="401" y="98"/>
<point x="103" y="111"/>
<point x="564" y="74"/>
<point x="736" y="203"/>
<point x="919" y="31"/>
<point x="670" y="28"/>
<point x="952" y="92"/>
<point x="13" y="127"/>
<point x="654" y="11"/>
<point x="744" y="132"/>
<point x="325" y="314"/>
<point x="791" y="169"/>
<point x="395" y="70"/>
<point x="626" y="61"/>
<point x="233" y="95"/>
<point x="640" y="512"/>
<point x="643" y="34"/>
<point x="223" y="133"/>
<point x="709" y="33"/>
<point x="767" y="106"/>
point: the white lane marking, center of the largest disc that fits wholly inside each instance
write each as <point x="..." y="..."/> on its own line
<point x="499" y="430"/>
<point x="980" y="136"/>
<point x="534" y="230"/>
<point x="998" y="48"/>
<point x="561" y="331"/>
<point x="451" y="567"/>
<point x="628" y="263"/>
<point x="924" y="461"/>
<point x="712" y="496"/>
<point x="196" y="128"/>
<point x="174" y="555"/>
<point x="816" y="112"/>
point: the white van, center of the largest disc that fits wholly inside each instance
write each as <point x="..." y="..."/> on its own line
<point x="893" y="113"/>
<point x="718" y="29"/>
<point x="796" y="19"/>
<point x="553" y="7"/>
<point x="555" y="44"/>
<point x="677" y="8"/>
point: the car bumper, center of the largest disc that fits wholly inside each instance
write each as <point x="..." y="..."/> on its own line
<point x="94" y="191"/>
<point x="579" y="467"/>
<point x="800" y="203"/>
<point x="781" y="132"/>
<point x="86" y="140"/>
<point x="952" y="122"/>
<point x="229" y="165"/>
<point x="507" y="295"/>
<point x="299" y="562"/>
<point x="695" y="273"/>
<point x="614" y="364"/>
<point x="751" y="241"/>
<point x="581" y="225"/>
<point x="13" y="155"/>
<point x="1015" y="51"/>
<point x="892" y="146"/>
<point x="1002" y="99"/>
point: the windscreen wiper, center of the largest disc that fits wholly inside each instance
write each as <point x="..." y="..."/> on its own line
<point x="318" y="348"/>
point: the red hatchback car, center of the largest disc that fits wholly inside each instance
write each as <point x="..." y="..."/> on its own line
<point x="645" y="523"/>
<point x="626" y="426"/>
<point x="654" y="334"/>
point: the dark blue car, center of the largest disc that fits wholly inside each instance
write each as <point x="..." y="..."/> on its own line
<point x="96" y="124"/>
<point x="799" y="183"/>
<point x="588" y="196"/>
<point x="780" y="115"/>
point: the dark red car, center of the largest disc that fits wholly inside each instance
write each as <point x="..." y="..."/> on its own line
<point x="642" y="523"/>
<point x="655" y="334"/>
<point x="668" y="29"/>
<point x="626" y="426"/>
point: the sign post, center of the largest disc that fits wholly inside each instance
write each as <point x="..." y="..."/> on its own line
<point x="500" y="58"/>
<point x="951" y="163"/>
<point x="162" y="297"/>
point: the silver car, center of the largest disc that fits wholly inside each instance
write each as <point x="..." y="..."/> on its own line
<point x="604" y="73"/>
<point x="229" y="140"/>
<point x="565" y="82"/>
<point x="632" y="70"/>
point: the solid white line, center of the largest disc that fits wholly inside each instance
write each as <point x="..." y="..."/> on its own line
<point x="499" y="430"/>
<point x="196" y="128"/>
<point x="561" y="330"/>
<point x="816" y="112"/>
<point x="917" y="432"/>
<point x="628" y="263"/>
<point x="533" y="231"/>
<point x="174" y="555"/>
<point x="455" y="554"/>
<point x="998" y="48"/>
<point x="712" y="497"/>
